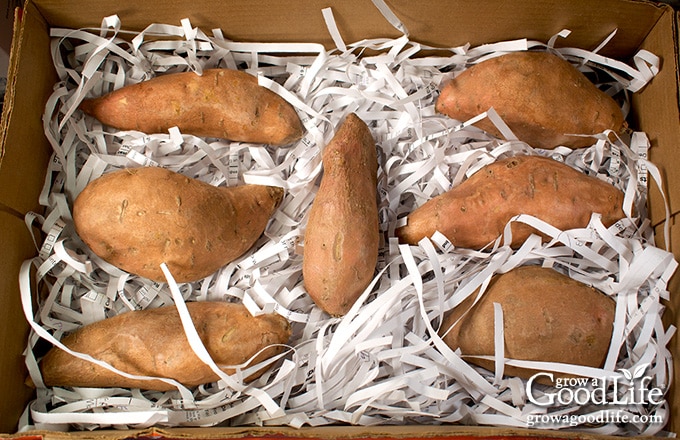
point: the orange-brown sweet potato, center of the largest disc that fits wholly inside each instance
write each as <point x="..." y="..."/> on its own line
<point x="138" y="218"/>
<point x="540" y="96"/>
<point x="222" y="103"/>
<point x="547" y="316"/>
<point x="342" y="233"/>
<point x="153" y="343"/>
<point x="475" y="212"/>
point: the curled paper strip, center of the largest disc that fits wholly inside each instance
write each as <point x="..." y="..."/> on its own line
<point x="384" y="362"/>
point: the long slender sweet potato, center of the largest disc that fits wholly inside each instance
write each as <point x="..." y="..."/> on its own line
<point x="138" y="218"/>
<point x="221" y="103"/>
<point x="542" y="97"/>
<point x="342" y="232"/>
<point x="474" y="213"/>
<point x="547" y="316"/>
<point x="152" y="343"/>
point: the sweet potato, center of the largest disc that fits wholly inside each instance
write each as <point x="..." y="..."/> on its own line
<point x="475" y="212"/>
<point x="547" y="316"/>
<point x="540" y="96"/>
<point x="153" y="343"/>
<point x="342" y="233"/>
<point x="138" y="218"/>
<point x="221" y="103"/>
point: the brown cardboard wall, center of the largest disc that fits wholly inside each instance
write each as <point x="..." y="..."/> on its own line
<point x="17" y="244"/>
<point x="23" y="173"/>
<point x="663" y="130"/>
<point x="437" y="22"/>
<point x="671" y="317"/>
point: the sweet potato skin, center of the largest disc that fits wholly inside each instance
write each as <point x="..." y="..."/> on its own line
<point x="152" y="343"/>
<point x="475" y="212"/>
<point x="221" y="103"/>
<point x="138" y="218"/>
<point x="539" y="95"/>
<point x="547" y="316"/>
<point x="342" y="233"/>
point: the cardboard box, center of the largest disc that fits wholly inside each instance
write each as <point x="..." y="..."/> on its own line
<point x="25" y="152"/>
<point x="6" y="20"/>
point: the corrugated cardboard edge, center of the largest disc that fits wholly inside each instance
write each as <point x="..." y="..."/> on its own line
<point x="9" y="95"/>
<point x="441" y="432"/>
<point x="11" y="79"/>
<point x="671" y="137"/>
<point x="28" y="87"/>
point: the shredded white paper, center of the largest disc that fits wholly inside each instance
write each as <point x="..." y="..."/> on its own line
<point x="384" y="362"/>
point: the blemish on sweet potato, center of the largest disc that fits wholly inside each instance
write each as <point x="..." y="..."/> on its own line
<point x="338" y="246"/>
<point x="123" y="209"/>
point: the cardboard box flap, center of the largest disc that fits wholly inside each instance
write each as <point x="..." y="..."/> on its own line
<point x="22" y="173"/>
<point x="11" y="73"/>
<point x="23" y="168"/>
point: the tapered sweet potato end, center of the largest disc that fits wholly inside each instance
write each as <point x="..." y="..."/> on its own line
<point x="110" y="110"/>
<point x="288" y="128"/>
<point x="87" y="106"/>
<point x="423" y="221"/>
<point x="410" y="233"/>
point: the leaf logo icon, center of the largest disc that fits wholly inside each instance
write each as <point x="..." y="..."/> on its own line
<point x="636" y="374"/>
<point x="640" y="371"/>
<point x="627" y="374"/>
